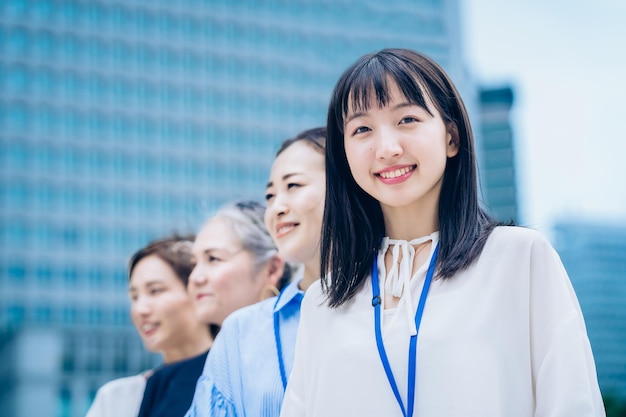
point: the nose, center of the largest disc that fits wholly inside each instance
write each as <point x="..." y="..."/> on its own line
<point x="142" y="306"/>
<point x="279" y="206"/>
<point x="388" y="145"/>
<point x="197" y="276"/>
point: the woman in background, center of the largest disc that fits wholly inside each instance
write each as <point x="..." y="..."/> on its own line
<point x="164" y="315"/>
<point x="237" y="264"/>
<point x="248" y="368"/>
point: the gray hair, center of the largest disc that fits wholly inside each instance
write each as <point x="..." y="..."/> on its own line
<point x="246" y="217"/>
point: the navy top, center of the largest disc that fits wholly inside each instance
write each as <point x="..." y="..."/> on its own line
<point x="169" y="390"/>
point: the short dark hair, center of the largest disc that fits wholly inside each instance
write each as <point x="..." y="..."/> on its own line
<point x="316" y="137"/>
<point x="174" y="250"/>
<point x="353" y="220"/>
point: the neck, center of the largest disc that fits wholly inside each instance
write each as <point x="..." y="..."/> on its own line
<point x="200" y="344"/>
<point x="311" y="273"/>
<point x="407" y="223"/>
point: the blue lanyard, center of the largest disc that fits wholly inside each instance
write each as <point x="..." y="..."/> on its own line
<point x="279" y="348"/>
<point x="376" y="301"/>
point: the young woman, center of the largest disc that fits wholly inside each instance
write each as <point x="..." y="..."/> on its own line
<point x="236" y="263"/>
<point x="247" y="370"/>
<point x="427" y="306"/>
<point x="164" y="315"/>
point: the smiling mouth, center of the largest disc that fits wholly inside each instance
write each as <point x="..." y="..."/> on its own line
<point x="148" y="328"/>
<point x="284" y="229"/>
<point x="396" y="173"/>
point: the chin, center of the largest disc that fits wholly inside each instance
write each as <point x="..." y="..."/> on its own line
<point x="205" y="316"/>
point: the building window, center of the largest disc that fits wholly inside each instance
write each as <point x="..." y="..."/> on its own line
<point x="96" y="277"/>
<point x="120" y="316"/>
<point x="94" y="315"/>
<point x="16" y="233"/>
<point x="71" y="237"/>
<point x="16" y="156"/>
<point x="95" y="239"/>
<point x="43" y="274"/>
<point x="43" y="314"/>
<point x="64" y="408"/>
<point x="17" y="272"/>
<point x="17" y="195"/>
<point x="70" y="315"/>
<point x="70" y="276"/>
<point x="119" y="277"/>
<point x="15" y="314"/>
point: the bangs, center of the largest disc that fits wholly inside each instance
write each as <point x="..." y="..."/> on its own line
<point x="375" y="76"/>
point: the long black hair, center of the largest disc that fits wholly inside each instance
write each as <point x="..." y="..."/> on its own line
<point x="353" y="220"/>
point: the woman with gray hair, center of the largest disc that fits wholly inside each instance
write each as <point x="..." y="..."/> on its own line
<point x="236" y="264"/>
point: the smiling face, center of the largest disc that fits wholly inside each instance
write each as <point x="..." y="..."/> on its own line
<point x="398" y="153"/>
<point x="295" y="202"/>
<point x="226" y="276"/>
<point x="161" y="309"/>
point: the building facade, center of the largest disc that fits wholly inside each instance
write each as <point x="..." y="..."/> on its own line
<point x="594" y="255"/>
<point x="121" y="121"/>
<point x="497" y="152"/>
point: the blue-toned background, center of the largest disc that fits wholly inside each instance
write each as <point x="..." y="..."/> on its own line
<point x="121" y="121"/>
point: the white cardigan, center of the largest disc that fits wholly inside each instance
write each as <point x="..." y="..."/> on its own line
<point x="505" y="337"/>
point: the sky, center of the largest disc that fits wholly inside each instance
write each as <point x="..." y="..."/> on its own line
<point x="567" y="63"/>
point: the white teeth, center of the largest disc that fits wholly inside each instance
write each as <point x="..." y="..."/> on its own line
<point x="284" y="228"/>
<point x="147" y="327"/>
<point x="396" y="173"/>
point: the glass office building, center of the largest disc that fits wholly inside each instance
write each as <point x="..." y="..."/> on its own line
<point x="497" y="150"/>
<point x="594" y="255"/>
<point x="121" y="121"/>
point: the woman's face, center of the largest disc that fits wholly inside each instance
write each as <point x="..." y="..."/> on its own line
<point x="398" y="153"/>
<point x="295" y="202"/>
<point x="161" y="309"/>
<point x="225" y="277"/>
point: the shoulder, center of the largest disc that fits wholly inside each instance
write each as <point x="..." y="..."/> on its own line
<point x="249" y="315"/>
<point x="183" y="366"/>
<point x="121" y="385"/>
<point x="314" y="294"/>
<point x="314" y="298"/>
<point x="521" y="249"/>
<point x="121" y="388"/>
<point x="515" y="238"/>
<point x="119" y="397"/>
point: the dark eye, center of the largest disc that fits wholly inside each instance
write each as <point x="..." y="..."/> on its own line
<point x="211" y="258"/>
<point x="292" y="184"/>
<point x="361" y="129"/>
<point x="268" y="197"/>
<point x="408" y="119"/>
<point x="156" y="290"/>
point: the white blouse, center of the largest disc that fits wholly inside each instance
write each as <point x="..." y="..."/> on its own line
<point x="505" y="337"/>
<point x="119" y="398"/>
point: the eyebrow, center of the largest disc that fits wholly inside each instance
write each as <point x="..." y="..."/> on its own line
<point x="285" y="177"/>
<point x="147" y="284"/>
<point x="208" y="251"/>
<point x="396" y="107"/>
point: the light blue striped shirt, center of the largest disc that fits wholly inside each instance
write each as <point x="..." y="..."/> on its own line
<point x="241" y="375"/>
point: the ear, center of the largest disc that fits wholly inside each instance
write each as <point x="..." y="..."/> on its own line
<point x="452" y="140"/>
<point x="275" y="268"/>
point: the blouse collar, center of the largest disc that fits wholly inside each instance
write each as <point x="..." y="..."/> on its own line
<point x="289" y="293"/>
<point x="397" y="281"/>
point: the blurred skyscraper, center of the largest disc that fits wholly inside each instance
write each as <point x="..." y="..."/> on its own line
<point x="594" y="256"/>
<point x="497" y="151"/>
<point x="124" y="120"/>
